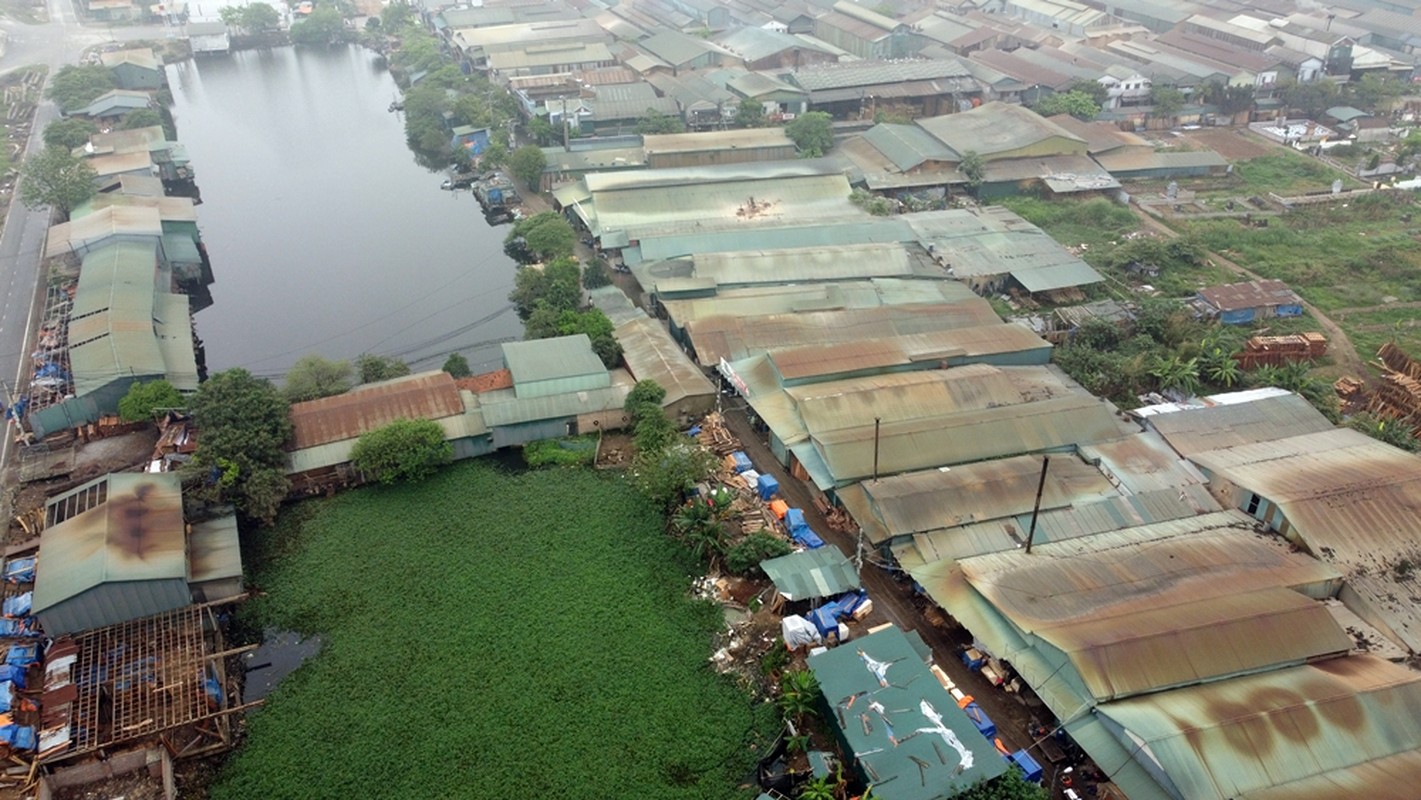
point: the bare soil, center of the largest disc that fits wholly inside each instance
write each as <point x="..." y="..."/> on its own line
<point x="1234" y="144"/>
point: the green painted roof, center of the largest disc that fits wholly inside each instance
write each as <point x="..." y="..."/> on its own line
<point x="552" y="359"/>
<point x="135" y="535"/>
<point x="904" y="729"/>
<point x="121" y="327"/>
<point x="821" y="572"/>
<point x="908" y="146"/>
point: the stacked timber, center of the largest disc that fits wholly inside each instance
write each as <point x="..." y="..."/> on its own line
<point x="1276" y="350"/>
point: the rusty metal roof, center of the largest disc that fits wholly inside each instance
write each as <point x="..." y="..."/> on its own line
<point x="1195" y="430"/>
<point x="934" y="499"/>
<point x="1391" y="778"/>
<point x="1249" y="294"/>
<point x="429" y="395"/>
<point x="1351" y="500"/>
<point x="1224" y="740"/>
<point x="1142" y="462"/>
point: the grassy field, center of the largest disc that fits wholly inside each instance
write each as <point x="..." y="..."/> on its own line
<point x="487" y="632"/>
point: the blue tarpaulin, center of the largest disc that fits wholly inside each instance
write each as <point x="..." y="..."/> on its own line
<point x="17" y="627"/>
<point x="20" y="737"/>
<point x="19" y="605"/>
<point x="7" y="695"/>
<point x="825" y="618"/>
<point x="13" y="674"/>
<point x="850" y="602"/>
<point x="742" y="462"/>
<point x="808" y="538"/>
<point x="20" y="570"/>
<point x="980" y="719"/>
<point x="21" y="655"/>
<point x="794" y="520"/>
<point x="768" y="486"/>
<point x="1029" y="768"/>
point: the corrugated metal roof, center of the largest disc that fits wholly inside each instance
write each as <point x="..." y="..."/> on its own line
<point x="651" y="354"/>
<point x="486" y="382"/>
<point x="648" y="210"/>
<point x="1249" y="294"/>
<point x="848" y="229"/>
<point x="676" y="48"/>
<point x="138" y="57"/>
<point x="919" y="502"/>
<point x="993" y="241"/>
<point x="428" y="395"/>
<point x="1352" y="500"/>
<point x="214" y="550"/>
<point x="820" y="77"/>
<point x="135" y="535"/>
<point x="120" y="163"/>
<point x="170" y="209"/>
<point x="908" y="146"/>
<point x="1225" y="739"/>
<point x="91" y="229"/>
<point x="996" y="127"/>
<point x="748" y="138"/>
<point x="1394" y="777"/>
<point x="557" y="54"/>
<point x="503" y="407"/>
<point x="821" y="572"/>
<point x="460" y="426"/>
<point x="765" y="300"/>
<point x="1101" y="137"/>
<point x="749" y="267"/>
<point x="735" y="338"/>
<point x="1134" y="160"/>
<point x="883" y="675"/>
<point x="552" y="359"/>
<point x="1142" y="462"/>
<point x="753" y="43"/>
<point x="1196" y="430"/>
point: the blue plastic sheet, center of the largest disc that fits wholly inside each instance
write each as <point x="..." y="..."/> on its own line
<point x="17" y="627"/>
<point x="20" y="570"/>
<point x="1030" y="769"/>
<point x="794" y="520"/>
<point x="808" y="538"/>
<point x="7" y="695"/>
<point x="19" y="605"/>
<point x="22" y="655"/>
<point x="980" y="719"/>
<point x="13" y="674"/>
<point x="825" y="618"/>
<point x="742" y="461"/>
<point x="768" y="486"/>
<point x="850" y="602"/>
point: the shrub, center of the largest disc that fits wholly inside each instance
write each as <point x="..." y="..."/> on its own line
<point x="574" y="452"/>
<point x="745" y="556"/>
<point x="143" y="399"/>
<point x="405" y="450"/>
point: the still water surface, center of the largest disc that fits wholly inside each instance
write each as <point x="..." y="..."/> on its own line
<point x="324" y="234"/>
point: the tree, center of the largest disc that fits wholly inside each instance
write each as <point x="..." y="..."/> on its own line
<point x="373" y="368"/>
<point x="245" y="424"/>
<point x="1080" y="105"/>
<point x="1229" y="99"/>
<point x="322" y="26"/>
<point x="665" y="475"/>
<point x="592" y="322"/>
<point x="745" y="556"/>
<point x="56" y="178"/>
<point x="142" y="117"/>
<point x="69" y="133"/>
<point x="652" y="122"/>
<point x="1010" y="785"/>
<point x="596" y="274"/>
<point x="812" y="132"/>
<point x="973" y="168"/>
<point x="545" y="236"/>
<point x="820" y="788"/>
<point x="395" y="16"/>
<point x="750" y="114"/>
<point x="258" y="18"/>
<point x="799" y="694"/>
<point x="313" y="376"/>
<point x="1310" y="98"/>
<point x="1095" y="89"/>
<point x="75" y="87"/>
<point x="1176" y="373"/>
<point x="405" y="450"/>
<point x="1166" y="100"/>
<point x="527" y="164"/>
<point x="143" y="399"/>
<point x="646" y="394"/>
<point x="457" y="366"/>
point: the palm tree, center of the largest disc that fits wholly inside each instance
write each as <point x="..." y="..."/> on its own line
<point x="1223" y="372"/>
<point x="799" y="691"/>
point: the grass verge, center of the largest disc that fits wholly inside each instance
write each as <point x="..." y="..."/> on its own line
<point x="527" y="634"/>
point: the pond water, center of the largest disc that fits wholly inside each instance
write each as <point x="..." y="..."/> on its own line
<point x="325" y="236"/>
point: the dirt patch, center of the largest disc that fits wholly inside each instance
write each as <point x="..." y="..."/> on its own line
<point x="615" y="452"/>
<point x="133" y="786"/>
<point x="1233" y="144"/>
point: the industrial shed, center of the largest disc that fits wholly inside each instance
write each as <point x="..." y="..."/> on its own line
<point x="717" y="147"/>
<point x="930" y="750"/>
<point x="1232" y="419"/>
<point x="560" y="388"/>
<point x="214" y="567"/>
<point x="999" y="131"/>
<point x="1347" y="498"/>
<point x="769" y="299"/>
<point x="1243" y="303"/>
<point x="811" y="574"/>
<point x="1145" y="613"/>
<point x="650" y="353"/>
<point x="748" y="267"/>
<point x="114" y="551"/>
<point x="992" y="248"/>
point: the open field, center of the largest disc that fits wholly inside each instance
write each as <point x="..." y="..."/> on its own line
<point x="520" y="634"/>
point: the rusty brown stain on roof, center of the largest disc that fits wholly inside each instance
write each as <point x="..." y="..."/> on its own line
<point x="1250" y="294"/>
<point x="486" y="382"/>
<point x="347" y="416"/>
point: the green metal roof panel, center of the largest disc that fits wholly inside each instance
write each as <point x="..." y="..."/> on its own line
<point x="135" y="535"/>
<point x="848" y="231"/>
<point x="181" y="248"/>
<point x="907" y="146"/>
<point x="502" y="407"/>
<point x="214" y="550"/>
<point x="550" y="359"/>
<point x="911" y="739"/>
<point x="172" y="327"/>
<point x="821" y="572"/>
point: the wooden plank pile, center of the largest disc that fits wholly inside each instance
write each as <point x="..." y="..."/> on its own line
<point x="1276" y="350"/>
<point x="716" y="437"/>
<point x="1398" y="396"/>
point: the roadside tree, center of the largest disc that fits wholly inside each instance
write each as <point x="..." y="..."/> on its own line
<point x="245" y="425"/>
<point x="750" y="114"/>
<point x="56" y="178"/>
<point x="665" y="475"/>
<point x="457" y="366"/>
<point x="372" y="368"/>
<point x="812" y="132"/>
<point x="313" y="376"/>
<point x="69" y="133"/>
<point x="75" y="87"/>
<point x="545" y="237"/>
<point x="144" y="399"/>
<point x="527" y="164"/>
<point x="405" y="450"/>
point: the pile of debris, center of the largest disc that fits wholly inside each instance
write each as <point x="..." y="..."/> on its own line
<point x="716" y="437"/>
<point x="1398" y="396"/>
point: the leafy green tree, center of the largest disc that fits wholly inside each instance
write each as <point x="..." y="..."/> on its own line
<point x="696" y="523"/>
<point x="812" y="132"/>
<point x="57" y="178"/>
<point x="245" y="424"/>
<point x="654" y="431"/>
<point x="69" y="133"/>
<point x="527" y="164"/>
<point x="652" y="122"/>
<point x="75" y="87"/>
<point x="1175" y="373"/>
<point x="545" y="237"/>
<point x="1010" y="785"/>
<point x="750" y="114"/>
<point x="1310" y="98"/>
<point x="974" y="169"/>
<point x="144" y="399"/>
<point x="396" y="16"/>
<point x="406" y="450"/>
<point x="258" y="18"/>
<point x="372" y="368"/>
<point x="457" y="366"/>
<point x="1229" y="99"/>
<point x="313" y="376"/>
<point x="665" y="475"/>
<point x="142" y="118"/>
<point x="596" y="274"/>
<point x="542" y="132"/>
<point x="646" y="394"/>
<point x="547" y="293"/>
<point x="1166" y="100"/>
<point x="1080" y="105"/>
<point x="1097" y="91"/>
<point x="323" y="26"/>
<point x="744" y="556"/>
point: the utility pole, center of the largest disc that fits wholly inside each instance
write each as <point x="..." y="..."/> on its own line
<point x="1040" y="487"/>
<point x="876" y="421"/>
